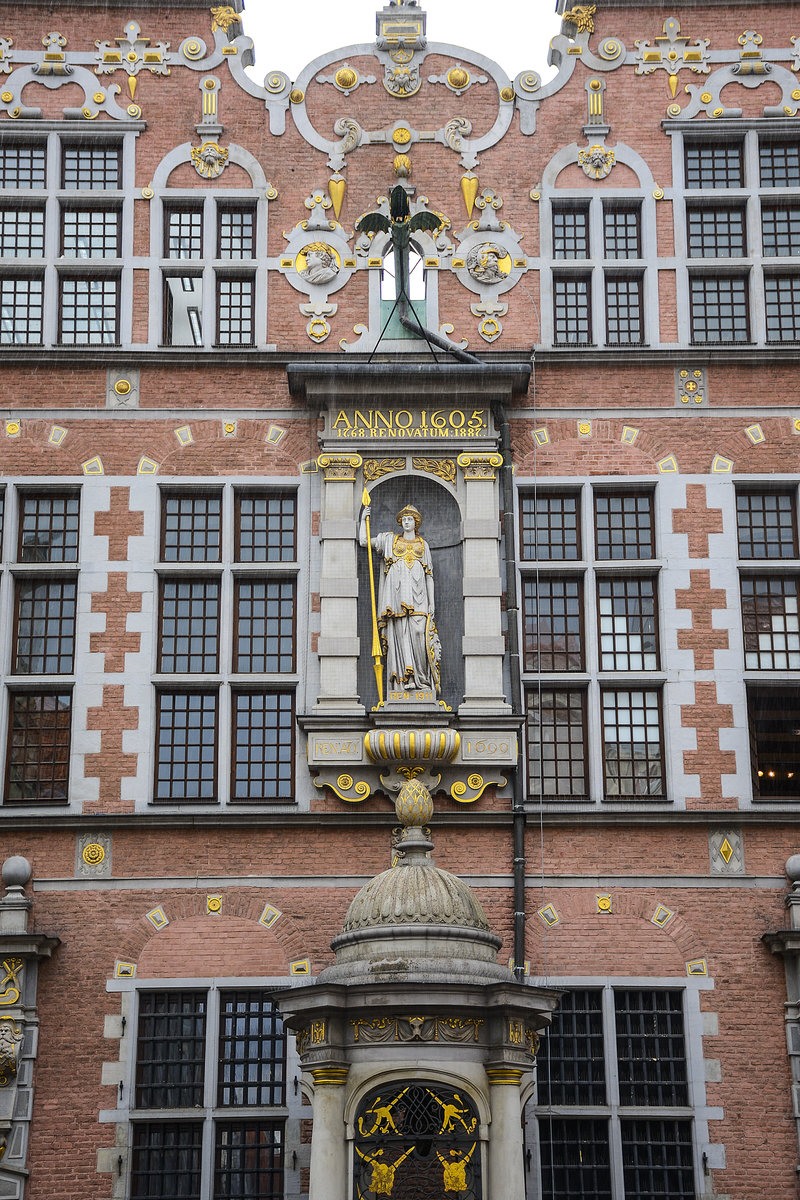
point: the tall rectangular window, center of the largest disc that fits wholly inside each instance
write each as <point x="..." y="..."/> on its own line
<point x="771" y="623"/>
<point x="186" y="746"/>
<point x="632" y="750"/>
<point x="183" y="233"/>
<point x="571" y="232"/>
<point x="189" y="641"/>
<point x="236" y="233"/>
<point x="264" y="640"/>
<point x="21" y="310"/>
<point x="572" y="309"/>
<point x="550" y="527"/>
<point x="44" y="641"/>
<point x="235" y="312"/>
<point x="719" y="309"/>
<point x="782" y="305"/>
<point x="714" y="165"/>
<point x="627" y="624"/>
<point x="48" y="527"/>
<point x="624" y="525"/>
<point x="774" y="717"/>
<point x="170" y="1049"/>
<point x="553" y="623"/>
<point x="37" y="756"/>
<point x="263" y="745"/>
<point x="89" y="312"/>
<point x="623" y="232"/>
<point x="557" y="750"/>
<point x="624" y="315"/>
<point x="767" y="524"/>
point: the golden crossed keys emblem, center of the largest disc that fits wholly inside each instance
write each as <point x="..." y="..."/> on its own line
<point x="10" y="984"/>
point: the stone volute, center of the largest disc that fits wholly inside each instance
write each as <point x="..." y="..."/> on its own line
<point x="416" y="994"/>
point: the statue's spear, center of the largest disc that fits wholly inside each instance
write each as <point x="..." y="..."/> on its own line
<point x="377" y="657"/>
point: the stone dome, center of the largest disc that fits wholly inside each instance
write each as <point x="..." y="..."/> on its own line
<point x="415" y="894"/>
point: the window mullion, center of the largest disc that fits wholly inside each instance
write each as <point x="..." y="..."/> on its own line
<point x="612" y="1094"/>
<point x="210" y="1094"/>
<point x="209" y="275"/>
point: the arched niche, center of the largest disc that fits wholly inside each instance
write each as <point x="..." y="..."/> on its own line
<point x="441" y="529"/>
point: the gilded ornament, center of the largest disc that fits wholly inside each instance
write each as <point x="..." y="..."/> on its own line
<point x="10" y="1037"/>
<point x="469" y="190"/>
<point x="442" y="468"/>
<point x="376" y="468"/>
<point x="458" y="78"/>
<point x="275" y="83"/>
<point x="597" y="162"/>
<point x="93" y="854"/>
<point x="147" y="193"/>
<point x="414" y="804"/>
<point x="530" y="81"/>
<point x="346" y="78"/>
<point x="658" y="193"/>
<point x="213" y="904"/>
<point x="7" y="97"/>
<point x="581" y="16"/>
<point x="223" y="17"/>
<point x="402" y="166"/>
<point x="507" y="94"/>
<point x="402" y="136"/>
<point x="10" y="984"/>
<point x="297" y="95"/>
<point x="336" y="189"/>
<point x="210" y="160"/>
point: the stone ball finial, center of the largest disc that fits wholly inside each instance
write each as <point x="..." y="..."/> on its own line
<point x="16" y="871"/>
<point x="793" y="868"/>
<point x="414" y="804"/>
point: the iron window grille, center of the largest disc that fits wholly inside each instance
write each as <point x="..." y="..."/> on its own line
<point x="613" y="1106"/>
<point x="21" y="310"/>
<point x="222" y="1053"/>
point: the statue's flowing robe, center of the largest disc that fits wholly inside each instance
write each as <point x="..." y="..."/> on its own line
<point x="403" y="610"/>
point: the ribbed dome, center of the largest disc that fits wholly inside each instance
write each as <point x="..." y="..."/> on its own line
<point x="415" y="894"/>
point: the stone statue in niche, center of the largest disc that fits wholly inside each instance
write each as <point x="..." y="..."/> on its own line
<point x="406" y="608"/>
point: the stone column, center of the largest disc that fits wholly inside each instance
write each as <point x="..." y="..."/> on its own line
<point x="506" y="1152"/>
<point x="338" y="640"/>
<point x="484" y="646"/>
<point x="329" y="1173"/>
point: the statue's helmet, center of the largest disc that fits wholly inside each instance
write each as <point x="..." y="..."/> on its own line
<point x="410" y="511"/>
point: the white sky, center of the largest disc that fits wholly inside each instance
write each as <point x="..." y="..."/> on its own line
<point x="288" y="36"/>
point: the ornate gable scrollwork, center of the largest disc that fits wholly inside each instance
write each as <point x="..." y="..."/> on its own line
<point x="132" y="53"/>
<point x="672" y="52"/>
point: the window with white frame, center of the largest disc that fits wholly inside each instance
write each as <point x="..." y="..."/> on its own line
<point x="226" y="646"/>
<point x="614" y="1116"/>
<point x="41" y="673"/>
<point x="769" y="581"/>
<point x="591" y="644"/>
<point x="597" y="299"/>
<point x="208" y="1104"/>
<point x="62" y="206"/>
<point x="211" y="297"/>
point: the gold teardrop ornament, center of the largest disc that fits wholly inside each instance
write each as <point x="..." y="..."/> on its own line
<point x="469" y="190"/>
<point x="336" y="191"/>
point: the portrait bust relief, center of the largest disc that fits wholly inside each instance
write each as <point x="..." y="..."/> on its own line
<point x="320" y="265"/>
